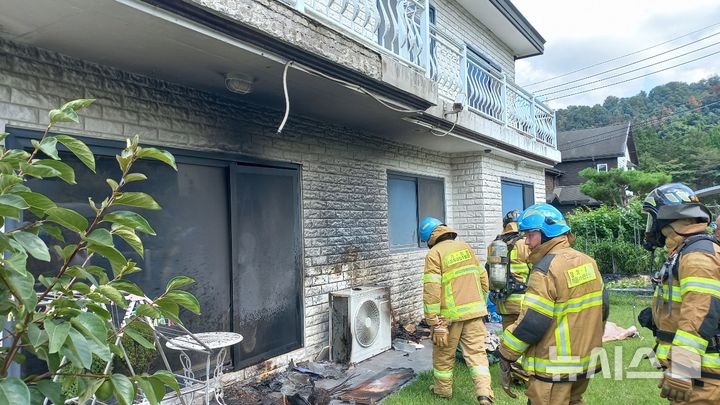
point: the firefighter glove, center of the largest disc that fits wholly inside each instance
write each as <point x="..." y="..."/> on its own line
<point x="675" y="387"/>
<point x="440" y="335"/>
<point x="506" y="376"/>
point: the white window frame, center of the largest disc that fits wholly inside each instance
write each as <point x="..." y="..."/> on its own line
<point x="602" y="167"/>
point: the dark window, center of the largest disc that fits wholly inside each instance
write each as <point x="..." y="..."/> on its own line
<point x="411" y="198"/>
<point x="232" y="227"/>
<point x="482" y="59"/>
<point x="267" y="295"/>
<point x="602" y="167"/>
<point x="433" y="43"/>
<point x="516" y="196"/>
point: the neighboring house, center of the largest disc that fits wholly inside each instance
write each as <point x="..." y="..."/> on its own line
<point x="604" y="148"/>
<point x="269" y="223"/>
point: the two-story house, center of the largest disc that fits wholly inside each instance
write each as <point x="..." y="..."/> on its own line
<point x="603" y="148"/>
<point x="311" y="136"/>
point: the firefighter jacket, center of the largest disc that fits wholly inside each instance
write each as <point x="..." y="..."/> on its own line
<point x="454" y="283"/>
<point x="560" y="328"/>
<point x="686" y="306"/>
<point x="519" y="268"/>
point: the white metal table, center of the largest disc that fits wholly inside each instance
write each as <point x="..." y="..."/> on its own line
<point x="207" y="342"/>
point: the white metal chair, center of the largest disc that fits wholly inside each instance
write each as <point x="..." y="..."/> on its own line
<point x="205" y="345"/>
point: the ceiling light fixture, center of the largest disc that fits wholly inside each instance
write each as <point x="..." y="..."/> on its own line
<point x="239" y="83"/>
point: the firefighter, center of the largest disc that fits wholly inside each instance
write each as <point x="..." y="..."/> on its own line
<point x="686" y="304"/>
<point x="454" y="291"/>
<point x="560" y="327"/>
<point x="509" y="300"/>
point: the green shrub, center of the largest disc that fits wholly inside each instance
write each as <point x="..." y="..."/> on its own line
<point x="620" y="257"/>
<point x="626" y="224"/>
<point x="613" y="237"/>
<point x="641" y="281"/>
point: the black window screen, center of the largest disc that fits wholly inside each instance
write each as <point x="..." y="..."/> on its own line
<point x="528" y="195"/>
<point x="207" y="205"/>
<point x="189" y="241"/>
<point x="431" y="198"/>
<point x="268" y="288"/>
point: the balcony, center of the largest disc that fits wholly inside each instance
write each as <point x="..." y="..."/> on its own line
<point x="401" y="28"/>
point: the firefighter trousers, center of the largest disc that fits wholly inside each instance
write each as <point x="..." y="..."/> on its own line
<point x="556" y="393"/>
<point x="705" y="391"/>
<point x="470" y="335"/>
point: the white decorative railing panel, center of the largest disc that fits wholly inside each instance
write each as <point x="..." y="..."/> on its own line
<point x="484" y="91"/>
<point x="545" y="121"/>
<point x="520" y="113"/>
<point x="446" y="54"/>
<point x="360" y="17"/>
<point x="402" y="28"/>
<point x="397" y="26"/>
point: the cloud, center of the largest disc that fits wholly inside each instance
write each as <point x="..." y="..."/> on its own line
<point x="583" y="33"/>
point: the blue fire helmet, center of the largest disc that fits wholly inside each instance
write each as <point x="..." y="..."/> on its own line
<point x="427" y="226"/>
<point x="544" y="218"/>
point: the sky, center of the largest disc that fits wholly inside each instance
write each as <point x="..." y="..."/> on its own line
<point x="580" y="33"/>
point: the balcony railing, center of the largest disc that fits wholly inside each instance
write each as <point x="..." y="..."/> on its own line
<point x="402" y="28"/>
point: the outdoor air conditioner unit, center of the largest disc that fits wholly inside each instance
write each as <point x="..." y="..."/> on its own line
<point x="359" y="323"/>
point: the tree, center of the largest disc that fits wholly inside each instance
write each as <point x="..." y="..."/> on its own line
<point x="72" y="330"/>
<point x="612" y="187"/>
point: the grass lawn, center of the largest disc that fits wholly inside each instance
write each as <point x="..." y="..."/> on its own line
<point x="612" y="388"/>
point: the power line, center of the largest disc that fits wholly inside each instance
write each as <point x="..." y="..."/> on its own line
<point x="632" y="78"/>
<point x="643" y="124"/>
<point x="623" y="56"/>
<point x="638" y="61"/>
<point x="624" y="73"/>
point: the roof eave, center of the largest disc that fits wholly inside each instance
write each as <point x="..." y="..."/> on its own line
<point x="592" y="158"/>
<point x="515" y="17"/>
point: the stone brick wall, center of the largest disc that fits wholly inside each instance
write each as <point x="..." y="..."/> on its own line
<point x="476" y="200"/>
<point x="344" y="172"/>
<point x="453" y="18"/>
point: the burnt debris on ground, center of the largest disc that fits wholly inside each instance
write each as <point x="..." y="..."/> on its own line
<point x="322" y="382"/>
<point x="295" y="386"/>
<point x="411" y="332"/>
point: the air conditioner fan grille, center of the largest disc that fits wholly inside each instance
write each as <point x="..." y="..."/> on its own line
<point x="367" y="323"/>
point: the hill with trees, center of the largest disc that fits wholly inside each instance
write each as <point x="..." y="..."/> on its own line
<point x="676" y="127"/>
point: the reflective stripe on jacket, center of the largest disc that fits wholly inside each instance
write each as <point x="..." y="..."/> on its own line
<point x="454" y="283"/>
<point x="559" y="330"/>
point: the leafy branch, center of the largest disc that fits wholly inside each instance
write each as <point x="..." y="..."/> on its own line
<point x="66" y="324"/>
